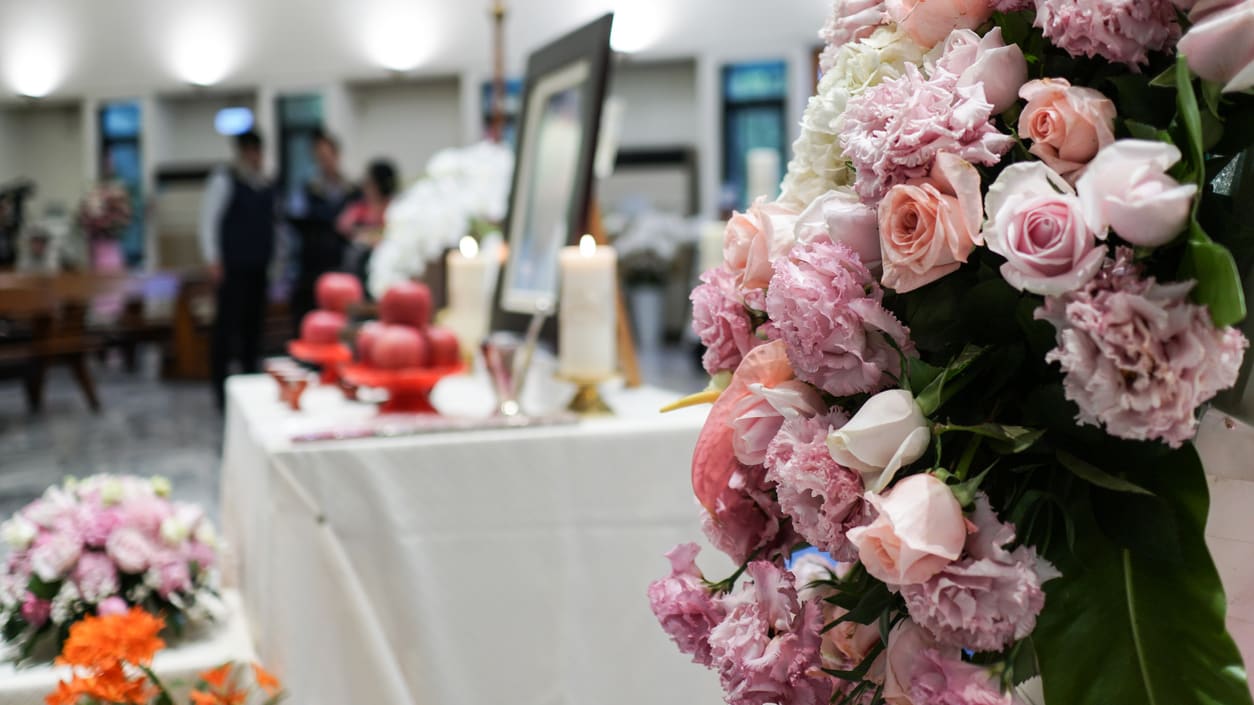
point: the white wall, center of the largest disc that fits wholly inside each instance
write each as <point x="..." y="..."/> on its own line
<point x="405" y="121"/>
<point x="660" y="107"/>
<point x="185" y="123"/>
<point x="45" y="143"/>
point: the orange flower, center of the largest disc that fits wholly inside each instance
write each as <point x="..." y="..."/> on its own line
<point x="67" y="693"/>
<point x="199" y="697"/>
<point x="266" y="680"/>
<point x="111" y="685"/>
<point x="102" y="642"/>
<point x="218" y="677"/>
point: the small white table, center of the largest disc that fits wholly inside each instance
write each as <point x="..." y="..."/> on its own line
<point x="177" y="666"/>
<point x="479" y="568"/>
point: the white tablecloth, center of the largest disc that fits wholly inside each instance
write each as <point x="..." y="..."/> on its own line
<point x="474" y="568"/>
<point x="177" y="666"/>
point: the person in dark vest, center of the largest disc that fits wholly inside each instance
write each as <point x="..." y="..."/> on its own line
<point x="237" y="226"/>
<point x="312" y="213"/>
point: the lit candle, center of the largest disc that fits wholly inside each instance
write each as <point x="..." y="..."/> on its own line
<point x="469" y="293"/>
<point x="762" y="173"/>
<point x="587" y="343"/>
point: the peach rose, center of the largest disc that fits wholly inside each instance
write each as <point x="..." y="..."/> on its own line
<point x="928" y="22"/>
<point x="1220" y="44"/>
<point x="920" y="530"/>
<point x="1067" y="124"/>
<point x="929" y="226"/>
<point x="754" y="239"/>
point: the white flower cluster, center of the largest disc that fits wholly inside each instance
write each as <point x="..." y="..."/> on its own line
<point x="818" y="165"/>
<point x="67" y="603"/>
<point x="462" y="185"/>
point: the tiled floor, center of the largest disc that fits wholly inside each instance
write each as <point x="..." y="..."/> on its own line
<point x="149" y="426"/>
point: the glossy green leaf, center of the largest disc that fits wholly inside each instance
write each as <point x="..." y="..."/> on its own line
<point x="949" y="382"/>
<point x="1218" y="279"/>
<point x="1191" y="118"/>
<point x="1128" y="629"/>
<point x="1010" y="439"/>
<point x="1097" y="476"/>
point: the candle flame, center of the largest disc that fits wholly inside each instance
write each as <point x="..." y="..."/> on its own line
<point x="469" y="247"/>
<point x="587" y="246"/>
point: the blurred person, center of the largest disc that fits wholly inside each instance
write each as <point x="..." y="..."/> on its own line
<point x="318" y="205"/>
<point x="362" y="221"/>
<point x="237" y="234"/>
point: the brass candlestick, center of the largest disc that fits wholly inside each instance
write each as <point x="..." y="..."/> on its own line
<point x="588" y="400"/>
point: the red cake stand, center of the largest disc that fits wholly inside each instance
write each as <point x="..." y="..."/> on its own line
<point x="327" y="356"/>
<point x="409" y="391"/>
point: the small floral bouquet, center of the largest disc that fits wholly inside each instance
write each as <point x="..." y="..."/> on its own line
<point x="464" y="193"/>
<point x="99" y="546"/>
<point x="111" y="659"/>
<point x="105" y="211"/>
<point x="964" y="355"/>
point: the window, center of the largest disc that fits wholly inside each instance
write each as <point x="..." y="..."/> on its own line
<point x="513" y="98"/>
<point x="121" y="159"/>
<point x="300" y="118"/>
<point x="755" y="110"/>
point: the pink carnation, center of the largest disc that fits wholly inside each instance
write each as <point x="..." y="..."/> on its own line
<point x="990" y="598"/>
<point x="684" y="605"/>
<point x="721" y="322"/>
<point x="130" y="550"/>
<point x="35" y="611"/>
<point x="747" y="520"/>
<point x="54" y="555"/>
<point x="1122" y="31"/>
<point x="96" y="577"/>
<point x="767" y="649"/>
<point x="938" y="680"/>
<point x="826" y="307"/>
<point x="97" y="526"/>
<point x="146" y="514"/>
<point x="823" y="499"/>
<point x="850" y="21"/>
<point x="1011" y="5"/>
<point x="112" y="605"/>
<point x="173" y="576"/>
<point x="1139" y="358"/>
<point x="893" y="132"/>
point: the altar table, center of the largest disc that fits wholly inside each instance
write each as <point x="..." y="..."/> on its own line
<point x="476" y="568"/>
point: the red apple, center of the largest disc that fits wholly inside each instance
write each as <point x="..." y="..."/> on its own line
<point x="322" y="327"/>
<point x="445" y="349"/>
<point x="337" y="291"/>
<point x="399" y="347"/>
<point x="367" y="335"/>
<point x="408" y="303"/>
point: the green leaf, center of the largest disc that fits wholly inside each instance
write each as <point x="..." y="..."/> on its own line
<point x="949" y="382"/>
<point x="1097" y="476"/>
<point x="1218" y="279"/>
<point x="1142" y="131"/>
<point x="1011" y="439"/>
<point x="873" y="604"/>
<point x="42" y="590"/>
<point x="1191" y="118"/>
<point x="163" y="695"/>
<point x="1166" y="79"/>
<point x="1127" y="629"/>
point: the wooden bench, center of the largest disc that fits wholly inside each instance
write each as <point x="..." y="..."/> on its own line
<point x="41" y="332"/>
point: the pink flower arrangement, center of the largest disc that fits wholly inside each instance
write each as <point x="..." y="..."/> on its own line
<point x="721" y="321"/>
<point x="850" y="20"/>
<point x="827" y="309"/>
<point x="1139" y="358"/>
<point x="105" y="210"/>
<point x="685" y="605"/>
<point x="86" y="547"/>
<point x="1117" y="30"/>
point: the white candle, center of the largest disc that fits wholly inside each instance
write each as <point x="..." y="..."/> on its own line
<point x="762" y="173"/>
<point x="469" y="293"/>
<point x="710" y="246"/>
<point x="587" y="343"/>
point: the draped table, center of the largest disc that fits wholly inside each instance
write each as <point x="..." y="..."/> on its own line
<point x="478" y="567"/>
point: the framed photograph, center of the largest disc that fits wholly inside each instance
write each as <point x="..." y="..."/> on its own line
<point x="557" y="142"/>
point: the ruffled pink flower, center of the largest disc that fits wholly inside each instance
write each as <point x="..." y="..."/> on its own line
<point x="684" y="605"/>
<point x="721" y="322"/>
<point x="54" y="555"/>
<point x="767" y="648"/>
<point x="202" y="555"/>
<point x="990" y="598"/>
<point x="758" y="416"/>
<point x="1121" y="31"/>
<point x="938" y="680"/>
<point x="746" y="519"/>
<point x="1139" y="357"/>
<point x="130" y="550"/>
<point x="823" y="498"/>
<point x="826" y="308"/>
<point x="112" y="605"/>
<point x="146" y="514"/>
<point x="35" y="611"/>
<point x="1011" y="5"/>
<point x="98" y="525"/>
<point x="95" y="576"/>
<point x="850" y="21"/>
<point x="893" y="132"/>
<point x="173" y="576"/>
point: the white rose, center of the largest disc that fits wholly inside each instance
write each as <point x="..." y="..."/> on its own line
<point x="174" y="531"/>
<point x="18" y="533"/>
<point x="888" y="432"/>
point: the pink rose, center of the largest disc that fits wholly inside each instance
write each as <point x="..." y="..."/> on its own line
<point x="906" y="644"/>
<point x="1037" y="223"/>
<point x="1001" y="69"/>
<point x="754" y="239"/>
<point x="887" y="433"/>
<point x="35" y="611"/>
<point x="1220" y="44"/>
<point x="112" y="605"/>
<point x="920" y="530"/>
<point x="929" y="226"/>
<point x="1127" y="188"/>
<point x="760" y="413"/>
<point x="930" y="21"/>
<point x="129" y="550"/>
<point x="1067" y="124"/>
<point x="842" y="217"/>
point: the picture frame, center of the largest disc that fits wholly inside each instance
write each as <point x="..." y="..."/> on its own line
<point x="552" y="187"/>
